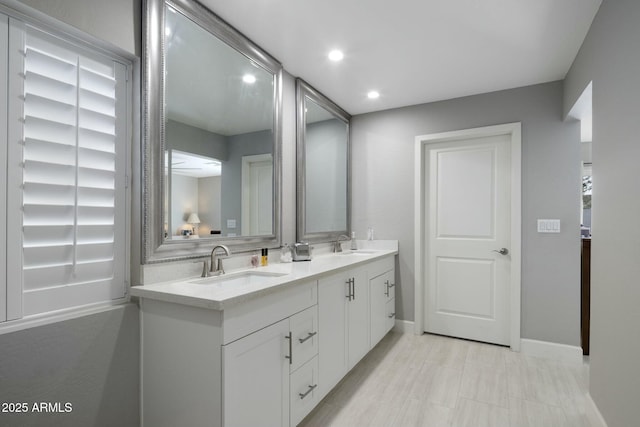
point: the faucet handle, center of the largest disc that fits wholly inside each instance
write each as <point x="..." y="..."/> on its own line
<point x="205" y="269"/>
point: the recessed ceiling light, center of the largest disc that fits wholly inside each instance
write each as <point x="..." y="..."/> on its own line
<point x="336" y="55"/>
<point x="249" y="78"/>
<point x="373" y="94"/>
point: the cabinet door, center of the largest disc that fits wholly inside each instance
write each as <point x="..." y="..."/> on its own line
<point x="333" y="292"/>
<point x="358" y="317"/>
<point x="377" y="287"/>
<point x="256" y="378"/>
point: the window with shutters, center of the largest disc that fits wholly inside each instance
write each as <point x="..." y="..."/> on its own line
<point x="66" y="161"/>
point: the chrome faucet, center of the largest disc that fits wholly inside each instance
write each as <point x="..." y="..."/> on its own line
<point x="216" y="262"/>
<point x="337" y="247"/>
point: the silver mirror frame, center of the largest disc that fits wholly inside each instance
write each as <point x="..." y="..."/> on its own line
<point x="155" y="248"/>
<point x="304" y="91"/>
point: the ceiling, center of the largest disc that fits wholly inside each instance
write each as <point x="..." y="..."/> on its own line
<point x="415" y="51"/>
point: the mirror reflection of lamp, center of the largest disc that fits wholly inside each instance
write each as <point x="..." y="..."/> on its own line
<point x="194" y="220"/>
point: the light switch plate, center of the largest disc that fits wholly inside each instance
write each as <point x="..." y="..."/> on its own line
<point x="548" y="226"/>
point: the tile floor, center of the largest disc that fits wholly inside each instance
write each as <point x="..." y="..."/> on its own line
<point x="435" y="381"/>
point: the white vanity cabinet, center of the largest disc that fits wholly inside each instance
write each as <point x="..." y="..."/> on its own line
<point x="343" y="306"/>
<point x="232" y="367"/>
<point x="260" y="356"/>
<point x="382" y="294"/>
<point x="272" y="374"/>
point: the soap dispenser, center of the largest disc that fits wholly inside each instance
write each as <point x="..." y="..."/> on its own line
<point x="354" y="243"/>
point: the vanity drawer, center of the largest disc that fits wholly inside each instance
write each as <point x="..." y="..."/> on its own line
<point x="303" y="391"/>
<point x="256" y="313"/>
<point x="391" y="314"/>
<point x="381" y="266"/>
<point x="304" y="336"/>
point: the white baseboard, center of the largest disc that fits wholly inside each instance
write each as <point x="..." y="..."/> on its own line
<point x="593" y="413"/>
<point x="404" y="326"/>
<point x="550" y="350"/>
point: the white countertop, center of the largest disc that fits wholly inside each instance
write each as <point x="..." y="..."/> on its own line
<point x="217" y="296"/>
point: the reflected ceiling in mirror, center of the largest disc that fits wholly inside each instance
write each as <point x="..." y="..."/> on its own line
<point x="212" y="135"/>
<point x="210" y="85"/>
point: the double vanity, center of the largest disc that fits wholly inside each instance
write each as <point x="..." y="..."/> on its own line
<point x="255" y="346"/>
<point x="262" y="346"/>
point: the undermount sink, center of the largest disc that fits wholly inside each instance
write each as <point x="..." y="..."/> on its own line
<point x="238" y="279"/>
<point x="357" y="252"/>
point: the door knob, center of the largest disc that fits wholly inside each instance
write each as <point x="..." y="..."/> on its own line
<point x="503" y="251"/>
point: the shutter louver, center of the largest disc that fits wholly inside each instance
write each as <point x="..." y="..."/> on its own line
<point x="70" y="166"/>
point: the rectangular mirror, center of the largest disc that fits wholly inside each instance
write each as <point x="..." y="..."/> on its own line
<point x="212" y="135"/>
<point x="323" y="177"/>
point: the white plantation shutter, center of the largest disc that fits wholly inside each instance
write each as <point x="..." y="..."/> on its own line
<point x="68" y="161"/>
<point x="4" y="52"/>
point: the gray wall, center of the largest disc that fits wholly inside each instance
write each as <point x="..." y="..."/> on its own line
<point x="92" y="361"/>
<point x="326" y="176"/>
<point x="383" y="194"/>
<point x="190" y="139"/>
<point x="609" y="57"/>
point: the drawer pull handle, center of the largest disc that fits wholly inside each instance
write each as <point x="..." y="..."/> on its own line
<point x="306" y="393"/>
<point x="392" y="315"/>
<point x="311" y="334"/>
<point x="290" y="356"/>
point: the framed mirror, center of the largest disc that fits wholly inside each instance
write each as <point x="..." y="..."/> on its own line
<point x="323" y="159"/>
<point x="212" y="129"/>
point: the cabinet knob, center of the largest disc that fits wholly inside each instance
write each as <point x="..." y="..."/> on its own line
<point x="392" y="315"/>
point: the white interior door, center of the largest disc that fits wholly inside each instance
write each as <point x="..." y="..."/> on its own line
<point x="257" y="200"/>
<point x="467" y="227"/>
